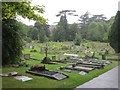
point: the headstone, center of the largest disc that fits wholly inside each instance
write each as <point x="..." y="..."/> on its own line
<point x="82" y="73"/>
<point x="26" y="56"/>
<point x="30" y="47"/>
<point x="103" y="57"/>
<point x="61" y="56"/>
<point x="53" y="57"/>
<point x="59" y="76"/>
<point x="41" y="50"/>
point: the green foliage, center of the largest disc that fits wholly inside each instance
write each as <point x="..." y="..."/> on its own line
<point x="12" y="42"/>
<point x="43" y="32"/>
<point x="95" y="28"/>
<point x="33" y="33"/>
<point x="84" y="22"/>
<point x="73" y="29"/>
<point x="78" y="39"/>
<point x="59" y="34"/>
<point x="114" y="34"/>
<point x="24" y="30"/>
<point x="24" y="9"/>
<point x="94" y="32"/>
<point x="64" y="31"/>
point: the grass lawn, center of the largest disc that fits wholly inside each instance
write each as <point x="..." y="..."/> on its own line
<point x="43" y="82"/>
<point x="55" y="48"/>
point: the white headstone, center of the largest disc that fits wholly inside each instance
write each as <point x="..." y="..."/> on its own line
<point x="31" y="47"/>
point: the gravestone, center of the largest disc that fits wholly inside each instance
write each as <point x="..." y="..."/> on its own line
<point x="42" y="50"/>
<point x="42" y="71"/>
<point x="60" y="56"/>
<point x="53" y="57"/>
<point x="103" y="57"/>
<point x="26" y="56"/>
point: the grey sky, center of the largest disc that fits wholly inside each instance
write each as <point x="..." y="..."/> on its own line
<point x="52" y="7"/>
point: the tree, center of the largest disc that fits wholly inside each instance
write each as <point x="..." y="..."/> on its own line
<point x="98" y="18"/>
<point x="93" y="32"/>
<point x="84" y="22"/>
<point x="63" y="23"/>
<point x="43" y="32"/>
<point x="12" y="42"/>
<point x="33" y="33"/>
<point x="78" y="39"/>
<point x="114" y="34"/>
<point x="58" y="34"/>
<point x="73" y="29"/>
<point x="11" y="9"/>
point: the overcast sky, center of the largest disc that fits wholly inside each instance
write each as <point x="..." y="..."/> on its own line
<point x="52" y="7"/>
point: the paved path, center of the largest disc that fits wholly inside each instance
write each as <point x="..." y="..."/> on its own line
<point x="106" y="80"/>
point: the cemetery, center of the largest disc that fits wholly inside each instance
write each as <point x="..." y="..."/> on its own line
<point x="44" y="49"/>
<point x="42" y="71"/>
<point x="60" y="66"/>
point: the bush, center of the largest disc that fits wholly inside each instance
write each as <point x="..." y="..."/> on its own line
<point x="11" y="41"/>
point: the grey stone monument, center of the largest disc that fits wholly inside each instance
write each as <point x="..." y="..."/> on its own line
<point x="60" y="56"/>
<point x="27" y="56"/>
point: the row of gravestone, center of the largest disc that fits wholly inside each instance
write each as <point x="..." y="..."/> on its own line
<point x="27" y="56"/>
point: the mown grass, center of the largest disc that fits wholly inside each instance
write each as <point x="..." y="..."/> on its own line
<point x="55" y="48"/>
<point x="43" y="82"/>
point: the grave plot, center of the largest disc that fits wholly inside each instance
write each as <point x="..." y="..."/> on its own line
<point x="71" y="57"/>
<point x="47" y="60"/>
<point x="41" y="71"/>
<point x="73" y="60"/>
<point x="76" y="70"/>
<point x="28" y="57"/>
<point x="79" y="68"/>
<point x="90" y="64"/>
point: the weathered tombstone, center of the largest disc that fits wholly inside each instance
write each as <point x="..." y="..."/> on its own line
<point x="53" y="57"/>
<point x="60" y="56"/>
<point x="26" y="56"/>
<point x="42" y="50"/>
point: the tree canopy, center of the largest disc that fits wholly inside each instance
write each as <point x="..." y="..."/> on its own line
<point x="114" y="34"/>
<point x="12" y="41"/>
<point x="11" y="9"/>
